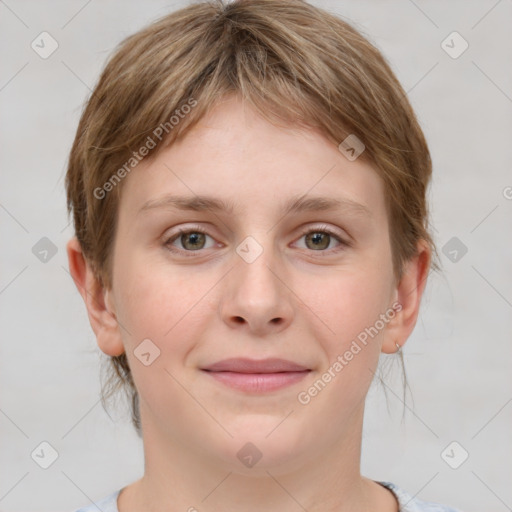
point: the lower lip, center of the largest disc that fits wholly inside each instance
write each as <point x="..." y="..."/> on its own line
<point x="258" y="382"/>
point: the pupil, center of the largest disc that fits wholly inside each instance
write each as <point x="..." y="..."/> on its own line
<point x="194" y="239"/>
<point x="316" y="238"/>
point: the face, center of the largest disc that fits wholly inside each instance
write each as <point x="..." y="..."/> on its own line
<point x="255" y="261"/>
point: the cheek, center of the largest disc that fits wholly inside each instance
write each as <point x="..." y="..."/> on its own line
<point x="168" y="311"/>
<point x="161" y="303"/>
<point x="348" y="303"/>
<point x="351" y="306"/>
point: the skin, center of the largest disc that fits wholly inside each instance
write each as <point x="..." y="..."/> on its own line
<point x="295" y="301"/>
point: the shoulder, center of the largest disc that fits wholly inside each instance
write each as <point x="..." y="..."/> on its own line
<point x="107" y="504"/>
<point x="410" y="504"/>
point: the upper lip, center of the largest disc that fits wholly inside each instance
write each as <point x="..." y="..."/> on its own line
<point x="244" y="365"/>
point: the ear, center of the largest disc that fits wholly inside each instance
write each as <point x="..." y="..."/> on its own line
<point x="98" y="301"/>
<point x="408" y="295"/>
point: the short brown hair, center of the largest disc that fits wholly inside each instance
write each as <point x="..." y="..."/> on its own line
<point x="293" y="62"/>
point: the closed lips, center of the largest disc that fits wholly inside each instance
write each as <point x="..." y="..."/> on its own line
<point x="244" y="365"/>
<point x="256" y="376"/>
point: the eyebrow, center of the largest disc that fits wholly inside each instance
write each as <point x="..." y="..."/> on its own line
<point x="297" y="204"/>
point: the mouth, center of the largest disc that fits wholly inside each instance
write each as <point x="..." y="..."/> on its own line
<point x="256" y="376"/>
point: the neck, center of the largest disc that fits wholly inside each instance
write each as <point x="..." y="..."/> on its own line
<point x="187" y="478"/>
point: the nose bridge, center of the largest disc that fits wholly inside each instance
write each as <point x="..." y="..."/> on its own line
<point x="255" y="272"/>
<point x="256" y="292"/>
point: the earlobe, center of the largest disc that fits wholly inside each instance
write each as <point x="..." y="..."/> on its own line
<point x="98" y="301"/>
<point x="408" y="299"/>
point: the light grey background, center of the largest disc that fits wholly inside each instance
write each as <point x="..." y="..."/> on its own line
<point x="458" y="359"/>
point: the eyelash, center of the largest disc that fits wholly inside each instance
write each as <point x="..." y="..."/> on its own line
<point x="198" y="229"/>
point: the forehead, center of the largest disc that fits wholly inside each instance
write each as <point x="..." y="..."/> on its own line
<point x="234" y="159"/>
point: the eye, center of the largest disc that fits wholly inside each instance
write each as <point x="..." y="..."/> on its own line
<point x="191" y="240"/>
<point x="194" y="239"/>
<point x="319" y="239"/>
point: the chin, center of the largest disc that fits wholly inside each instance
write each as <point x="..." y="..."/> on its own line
<point x="254" y="451"/>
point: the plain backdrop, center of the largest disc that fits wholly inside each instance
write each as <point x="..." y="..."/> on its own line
<point x="458" y="359"/>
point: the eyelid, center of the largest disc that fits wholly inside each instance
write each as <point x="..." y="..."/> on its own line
<point x="324" y="228"/>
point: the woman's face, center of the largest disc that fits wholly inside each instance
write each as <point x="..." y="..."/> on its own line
<point x="267" y="267"/>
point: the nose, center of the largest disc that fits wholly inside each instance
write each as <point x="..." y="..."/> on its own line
<point x="257" y="296"/>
